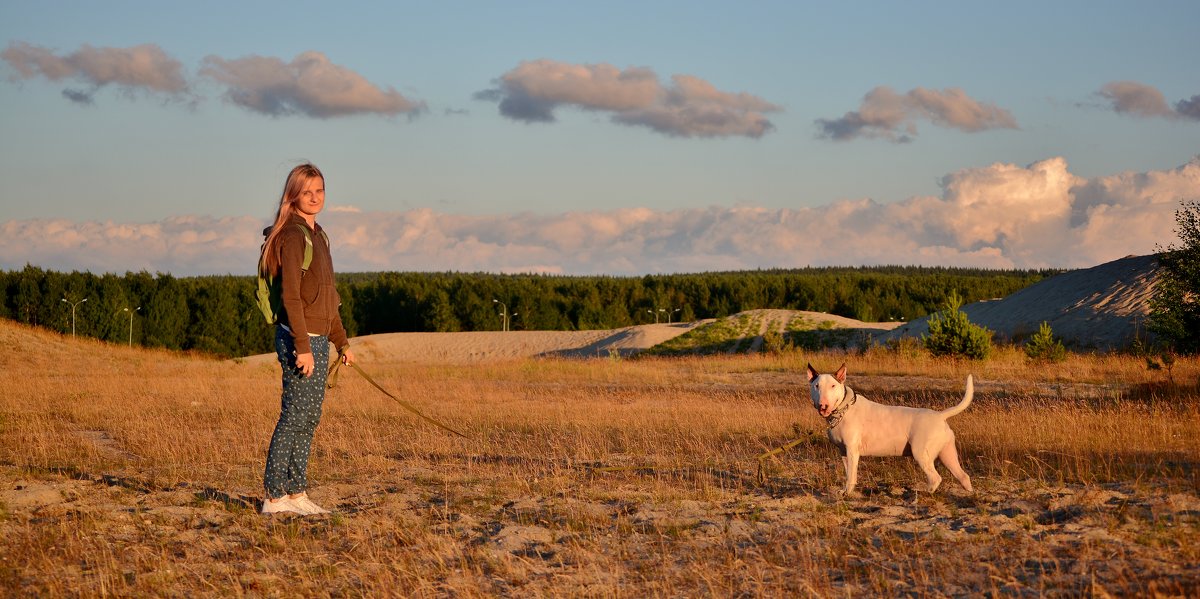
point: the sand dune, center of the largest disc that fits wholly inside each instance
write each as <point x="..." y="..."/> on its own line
<point x="1104" y="307"/>
<point x="481" y="346"/>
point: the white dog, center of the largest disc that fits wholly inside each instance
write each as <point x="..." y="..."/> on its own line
<point x="861" y="427"/>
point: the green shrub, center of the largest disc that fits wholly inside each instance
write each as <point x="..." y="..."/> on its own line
<point x="1044" y="347"/>
<point x="775" y="343"/>
<point x="951" y="333"/>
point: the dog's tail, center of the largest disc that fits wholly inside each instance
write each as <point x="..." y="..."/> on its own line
<point x="966" y="401"/>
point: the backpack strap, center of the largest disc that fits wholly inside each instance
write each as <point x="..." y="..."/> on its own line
<point x="308" y="248"/>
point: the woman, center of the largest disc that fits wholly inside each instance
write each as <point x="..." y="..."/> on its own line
<point x="309" y="322"/>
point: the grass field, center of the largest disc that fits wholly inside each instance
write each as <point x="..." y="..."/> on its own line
<point x="138" y="472"/>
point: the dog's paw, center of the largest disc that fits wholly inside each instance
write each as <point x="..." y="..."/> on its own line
<point x="848" y="494"/>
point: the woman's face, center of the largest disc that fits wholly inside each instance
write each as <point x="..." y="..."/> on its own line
<point x="312" y="197"/>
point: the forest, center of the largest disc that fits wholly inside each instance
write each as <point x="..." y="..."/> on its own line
<point x="218" y="314"/>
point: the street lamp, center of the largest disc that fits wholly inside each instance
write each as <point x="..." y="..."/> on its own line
<point x="670" y="312"/>
<point x="503" y="313"/>
<point x="655" y="315"/>
<point x="73" y="306"/>
<point x="131" y="323"/>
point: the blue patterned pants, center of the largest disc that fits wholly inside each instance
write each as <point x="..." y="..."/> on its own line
<point x="287" y="458"/>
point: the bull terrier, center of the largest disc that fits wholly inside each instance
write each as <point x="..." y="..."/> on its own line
<point x="861" y="427"/>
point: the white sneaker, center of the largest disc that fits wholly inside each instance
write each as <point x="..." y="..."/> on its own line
<point x="306" y="504"/>
<point x="283" y="505"/>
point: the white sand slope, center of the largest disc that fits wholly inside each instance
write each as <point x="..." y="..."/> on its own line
<point x="482" y="346"/>
<point x="1104" y="307"/>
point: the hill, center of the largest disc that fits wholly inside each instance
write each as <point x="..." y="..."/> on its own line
<point x="1103" y="308"/>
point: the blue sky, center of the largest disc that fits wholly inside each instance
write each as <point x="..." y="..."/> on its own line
<point x="907" y="127"/>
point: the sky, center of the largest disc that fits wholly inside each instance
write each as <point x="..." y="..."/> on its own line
<point x="622" y="138"/>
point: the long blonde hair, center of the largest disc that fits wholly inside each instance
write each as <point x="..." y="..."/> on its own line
<point x="269" y="263"/>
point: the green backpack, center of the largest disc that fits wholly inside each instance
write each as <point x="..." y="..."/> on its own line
<point x="270" y="287"/>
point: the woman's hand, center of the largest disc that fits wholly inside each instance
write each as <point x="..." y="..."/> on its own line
<point x="347" y="357"/>
<point x="305" y="363"/>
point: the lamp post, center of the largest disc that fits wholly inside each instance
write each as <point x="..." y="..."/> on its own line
<point x="73" y="306"/>
<point x="655" y="315"/>
<point x="503" y="313"/>
<point x="670" y="312"/>
<point x="131" y="323"/>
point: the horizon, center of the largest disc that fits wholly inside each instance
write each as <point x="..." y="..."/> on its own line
<point x="552" y="139"/>
<point x="781" y="270"/>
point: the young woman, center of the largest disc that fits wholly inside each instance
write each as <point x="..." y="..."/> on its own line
<point x="307" y="325"/>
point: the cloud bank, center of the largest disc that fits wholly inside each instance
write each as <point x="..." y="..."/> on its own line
<point x="310" y="85"/>
<point x="997" y="216"/>
<point x="1140" y="100"/>
<point x="145" y="68"/>
<point x="688" y="107"/>
<point x="884" y="114"/>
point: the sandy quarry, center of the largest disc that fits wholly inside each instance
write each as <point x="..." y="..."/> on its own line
<point x="1104" y="308"/>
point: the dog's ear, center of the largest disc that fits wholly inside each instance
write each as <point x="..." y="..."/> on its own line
<point x="840" y="375"/>
<point x="812" y="373"/>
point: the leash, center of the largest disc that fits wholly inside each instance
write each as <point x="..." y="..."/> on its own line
<point x="336" y="366"/>
<point x="762" y="458"/>
<point x="762" y="463"/>
<point x="332" y="380"/>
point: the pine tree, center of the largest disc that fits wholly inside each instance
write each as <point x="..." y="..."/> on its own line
<point x="1044" y="347"/>
<point x="951" y="333"/>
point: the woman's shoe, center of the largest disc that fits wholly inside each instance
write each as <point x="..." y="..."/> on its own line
<point x="283" y="505"/>
<point x="306" y="504"/>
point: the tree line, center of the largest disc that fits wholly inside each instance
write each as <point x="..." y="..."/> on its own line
<point x="218" y="314"/>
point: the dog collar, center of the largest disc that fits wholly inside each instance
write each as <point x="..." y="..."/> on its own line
<point x="835" y="418"/>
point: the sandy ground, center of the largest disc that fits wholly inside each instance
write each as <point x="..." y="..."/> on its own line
<point x="484" y="346"/>
<point x="1012" y="537"/>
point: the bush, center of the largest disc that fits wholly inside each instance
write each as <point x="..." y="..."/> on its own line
<point x="952" y="334"/>
<point x="775" y="343"/>
<point x="1044" y="347"/>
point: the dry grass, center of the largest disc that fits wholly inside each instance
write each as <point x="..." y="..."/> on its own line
<point x="134" y="472"/>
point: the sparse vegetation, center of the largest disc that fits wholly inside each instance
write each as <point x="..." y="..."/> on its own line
<point x="135" y="472"/>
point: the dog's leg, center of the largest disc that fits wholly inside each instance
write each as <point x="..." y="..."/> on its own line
<point x="925" y="461"/>
<point x="949" y="457"/>
<point x="851" y="462"/>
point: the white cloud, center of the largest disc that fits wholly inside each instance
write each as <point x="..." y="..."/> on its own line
<point x="997" y="216"/>
<point x="891" y="116"/>
<point x="144" y="68"/>
<point x="689" y="107"/>
<point x="310" y="84"/>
